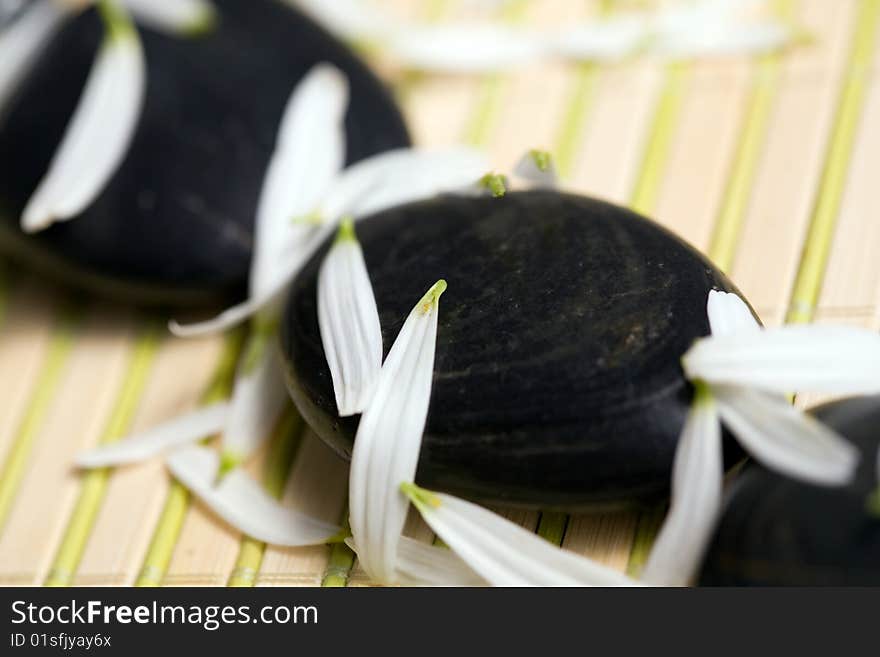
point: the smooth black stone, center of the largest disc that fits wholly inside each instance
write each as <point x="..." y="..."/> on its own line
<point x="776" y="531"/>
<point x="175" y="223"/>
<point x="557" y="380"/>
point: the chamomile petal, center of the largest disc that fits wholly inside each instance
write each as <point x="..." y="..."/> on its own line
<point x="421" y="564"/>
<point x="466" y="48"/>
<point x="388" y="439"/>
<point x="537" y="167"/>
<point x="729" y="314"/>
<point x="181" y="17"/>
<point x="349" y="323"/>
<point x="350" y="19"/>
<point x="242" y="502"/>
<point x="24" y="39"/>
<point x="308" y="156"/>
<point x="185" y="429"/>
<point x="100" y="130"/>
<point x="502" y="552"/>
<point x="698" y="475"/>
<point x="832" y="359"/>
<point x="785" y="439"/>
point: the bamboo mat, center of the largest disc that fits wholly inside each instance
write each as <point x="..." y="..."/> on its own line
<point x="768" y="164"/>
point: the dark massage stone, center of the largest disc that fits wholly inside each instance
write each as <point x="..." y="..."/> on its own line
<point x="174" y="225"/>
<point x="557" y="381"/>
<point x="776" y="531"/>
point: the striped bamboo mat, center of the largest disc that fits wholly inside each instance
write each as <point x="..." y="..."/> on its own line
<point x="767" y="164"/>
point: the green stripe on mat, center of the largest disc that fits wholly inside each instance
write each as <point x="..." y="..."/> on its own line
<point x="15" y="465"/>
<point x="283" y="448"/>
<point x="820" y="235"/>
<point x="728" y="225"/>
<point x="94" y="482"/>
<point x="167" y="529"/>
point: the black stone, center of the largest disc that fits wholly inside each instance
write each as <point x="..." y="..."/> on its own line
<point x="174" y="225"/>
<point x="776" y="531"/>
<point x="557" y="380"/>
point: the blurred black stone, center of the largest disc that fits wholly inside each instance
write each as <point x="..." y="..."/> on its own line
<point x="776" y="531"/>
<point x="557" y="380"/>
<point x="174" y="225"/>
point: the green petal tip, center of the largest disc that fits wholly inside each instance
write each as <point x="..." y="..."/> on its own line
<point x="419" y="496"/>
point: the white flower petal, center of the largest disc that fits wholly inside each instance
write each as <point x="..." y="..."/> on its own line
<point x="388" y="439"/>
<point x="348" y="19"/>
<point x="23" y="40"/>
<point x="242" y="502"/>
<point x="466" y="48"/>
<point x="722" y="40"/>
<point x="784" y="439"/>
<point x="421" y="564"/>
<point x="100" y="131"/>
<point x="832" y="359"/>
<point x="309" y="154"/>
<point x="298" y="256"/>
<point x="698" y="475"/>
<point x="605" y="40"/>
<point x="349" y="323"/>
<point x="174" y="16"/>
<point x="181" y="430"/>
<point x="258" y="397"/>
<point x="729" y="314"/>
<point x="402" y="175"/>
<point x="537" y="168"/>
<point x="502" y="552"/>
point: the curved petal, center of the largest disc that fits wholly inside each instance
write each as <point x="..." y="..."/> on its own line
<point x="729" y="314"/>
<point x="183" y="17"/>
<point x="309" y="154"/>
<point x="402" y="175"/>
<point x="242" y="502"/>
<point x="181" y="430"/>
<point x="784" y="439"/>
<point x="698" y="476"/>
<point x="537" y="167"/>
<point x="100" y="131"/>
<point x="502" y="552"/>
<point x="295" y="258"/>
<point x="24" y="39"/>
<point x="349" y="323"/>
<point x="349" y="19"/>
<point x="388" y="439"/>
<point x="466" y="48"/>
<point x="832" y="359"/>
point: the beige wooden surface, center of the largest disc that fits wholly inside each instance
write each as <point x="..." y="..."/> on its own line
<point x="62" y="372"/>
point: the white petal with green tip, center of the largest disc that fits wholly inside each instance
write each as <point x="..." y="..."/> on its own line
<point x="502" y="552"/>
<point x="698" y="475"/>
<point x="388" y="439"/>
<point x="182" y="17"/>
<point x="537" y="167"/>
<point x="23" y="40"/>
<point x="181" y="430"/>
<point x="785" y="439"/>
<point x="100" y="130"/>
<point x="242" y="502"/>
<point x="349" y="323"/>
<point x="832" y="359"/>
